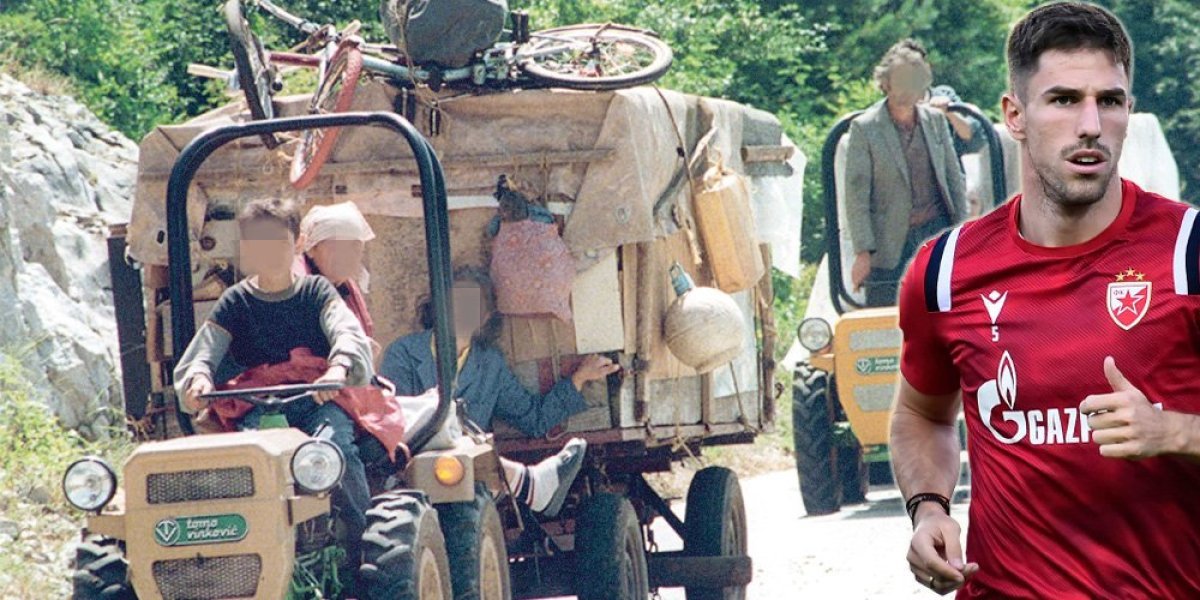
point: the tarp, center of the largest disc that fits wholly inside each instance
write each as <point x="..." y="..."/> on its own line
<point x="604" y="158"/>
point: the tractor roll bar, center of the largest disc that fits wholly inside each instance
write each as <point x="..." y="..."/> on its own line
<point x="437" y="237"/>
<point x="837" y="286"/>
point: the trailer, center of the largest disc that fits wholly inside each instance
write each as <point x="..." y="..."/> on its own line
<point x="618" y="171"/>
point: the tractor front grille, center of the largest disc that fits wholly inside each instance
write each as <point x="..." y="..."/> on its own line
<point x="201" y="484"/>
<point x="208" y="578"/>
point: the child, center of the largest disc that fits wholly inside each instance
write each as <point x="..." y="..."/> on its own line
<point x="269" y="319"/>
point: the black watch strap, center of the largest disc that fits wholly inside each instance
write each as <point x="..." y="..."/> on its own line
<point x="917" y="499"/>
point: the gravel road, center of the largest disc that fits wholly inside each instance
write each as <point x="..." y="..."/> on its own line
<point x="855" y="553"/>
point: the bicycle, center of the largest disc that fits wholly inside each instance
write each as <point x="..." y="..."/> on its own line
<point x="592" y="57"/>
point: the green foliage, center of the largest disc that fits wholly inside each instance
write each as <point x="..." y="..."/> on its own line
<point x="1166" y="36"/>
<point x="35" y="449"/>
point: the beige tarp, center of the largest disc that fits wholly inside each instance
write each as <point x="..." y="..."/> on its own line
<point x="602" y="160"/>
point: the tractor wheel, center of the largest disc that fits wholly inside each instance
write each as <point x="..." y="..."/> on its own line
<point x="475" y="543"/>
<point x="404" y="553"/>
<point x="812" y="424"/>
<point x="880" y="473"/>
<point x="852" y="473"/>
<point x="101" y="571"/>
<point x="610" y="557"/>
<point x="715" y="525"/>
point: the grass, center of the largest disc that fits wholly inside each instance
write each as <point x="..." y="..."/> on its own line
<point x="37" y="526"/>
<point x="38" y="78"/>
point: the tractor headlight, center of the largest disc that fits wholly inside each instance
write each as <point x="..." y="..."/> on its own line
<point x="317" y="466"/>
<point x="89" y="483"/>
<point x="814" y="334"/>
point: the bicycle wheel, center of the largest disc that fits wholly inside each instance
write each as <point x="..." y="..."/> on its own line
<point x="594" y="57"/>
<point x="335" y="94"/>
<point x="253" y="67"/>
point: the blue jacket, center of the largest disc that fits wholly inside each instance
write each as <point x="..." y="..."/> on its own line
<point x="486" y="384"/>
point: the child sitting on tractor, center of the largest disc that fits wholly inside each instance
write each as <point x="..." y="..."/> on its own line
<point x="274" y="319"/>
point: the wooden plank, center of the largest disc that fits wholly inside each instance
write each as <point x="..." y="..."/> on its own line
<point x="596" y="306"/>
<point x="404" y="165"/>
<point x="759" y="154"/>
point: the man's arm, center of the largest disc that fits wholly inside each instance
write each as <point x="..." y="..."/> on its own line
<point x="925" y="450"/>
<point x="924" y="441"/>
<point x="956" y="180"/>
<point x="859" y="173"/>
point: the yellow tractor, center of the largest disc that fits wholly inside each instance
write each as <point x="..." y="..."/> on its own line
<point x="843" y="389"/>
<point x="248" y="514"/>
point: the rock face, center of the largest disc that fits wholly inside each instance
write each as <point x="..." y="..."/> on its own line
<point x="64" y="177"/>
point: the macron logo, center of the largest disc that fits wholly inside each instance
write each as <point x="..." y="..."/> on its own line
<point x="994" y="302"/>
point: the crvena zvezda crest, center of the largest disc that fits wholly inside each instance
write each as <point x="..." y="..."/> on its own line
<point x="1128" y="298"/>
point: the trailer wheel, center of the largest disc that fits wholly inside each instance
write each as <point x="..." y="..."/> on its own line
<point x="610" y="557"/>
<point x="812" y="424"/>
<point x="101" y="571"/>
<point x="404" y="553"/>
<point x="475" y="544"/>
<point x="715" y="525"/>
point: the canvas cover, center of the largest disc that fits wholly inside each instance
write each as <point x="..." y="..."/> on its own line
<point x="605" y="162"/>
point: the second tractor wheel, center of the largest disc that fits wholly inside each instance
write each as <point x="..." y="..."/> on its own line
<point x="610" y="557"/>
<point x="852" y="472"/>
<point x="715" y="525"/>
<point x="812" y="433"/>
<point x="475" y="542"/>
<point x="404" y="553"/>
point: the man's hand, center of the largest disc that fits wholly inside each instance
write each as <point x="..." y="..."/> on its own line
<point x="860" y="270"/>
<point x="335" y="374"/>
<point x="199" y="385"/>
<point x="1125" y="424"/>
<point x="941" y="103"/>
<point x="593" y="368"/>
<point x="935" y="554"/>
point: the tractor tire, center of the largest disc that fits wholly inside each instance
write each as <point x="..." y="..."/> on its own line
<point x="880" y="473"/>
<point x="715" y="525"/>
<point x="610" y="556"/>
<point x="404" y="553"/>
<point x="852" y="473"/>
<point x="475" y="543"/>
<point x="101" y="571"/>
<point x="812" y="434"/>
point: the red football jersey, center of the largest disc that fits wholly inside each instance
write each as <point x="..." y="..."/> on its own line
<point x="1023" y="330"/>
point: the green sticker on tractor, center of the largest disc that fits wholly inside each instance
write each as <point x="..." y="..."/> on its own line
<point x="870" y="365"/>
<point x="209" y="529"/>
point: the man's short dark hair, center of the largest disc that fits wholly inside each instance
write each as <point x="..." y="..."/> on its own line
<point x="272" y="209"/>
<point x="1065" y="26"/>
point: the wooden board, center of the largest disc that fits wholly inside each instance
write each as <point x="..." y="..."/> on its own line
<point x="596" y="305"/>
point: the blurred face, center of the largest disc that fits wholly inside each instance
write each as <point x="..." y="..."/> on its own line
<point x="907" y="83"/>
<point x="267" y="247"/>
<point x="470" y="310"/>
<point x="338" y="260"/>
<point x="1072" y="116"/>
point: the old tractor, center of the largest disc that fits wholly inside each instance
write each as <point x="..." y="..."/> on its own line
<point x="843" y="389"/>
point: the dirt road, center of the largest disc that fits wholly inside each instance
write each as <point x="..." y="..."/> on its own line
<point x="857" y="553"/>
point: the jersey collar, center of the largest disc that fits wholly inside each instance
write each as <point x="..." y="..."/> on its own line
<point x="1129" y="192"/>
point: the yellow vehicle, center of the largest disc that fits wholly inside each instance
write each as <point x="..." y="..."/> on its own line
<point x="843" y="390"/>
<point x="248" y="514"/>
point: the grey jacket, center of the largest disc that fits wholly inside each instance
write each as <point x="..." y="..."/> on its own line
<point x="878" y="194"/>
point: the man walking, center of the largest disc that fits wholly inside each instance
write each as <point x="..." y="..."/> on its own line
<point x="1067" y="323"/>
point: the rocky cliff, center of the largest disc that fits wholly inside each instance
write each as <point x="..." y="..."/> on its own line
<point x="64" y="177"/>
